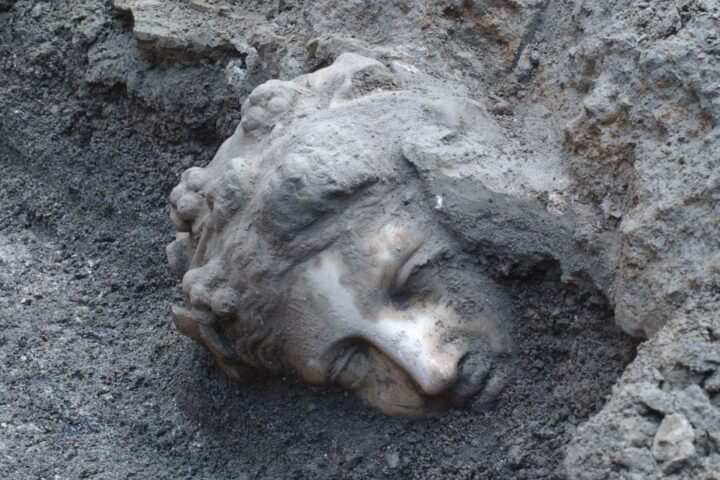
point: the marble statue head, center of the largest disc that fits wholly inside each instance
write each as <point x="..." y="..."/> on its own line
<point x="335" y="235"/>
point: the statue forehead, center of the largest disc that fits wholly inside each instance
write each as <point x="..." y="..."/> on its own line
<point x="338" y="146"/>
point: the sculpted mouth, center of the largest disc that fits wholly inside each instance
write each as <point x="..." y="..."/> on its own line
<point x="350" y="367"/>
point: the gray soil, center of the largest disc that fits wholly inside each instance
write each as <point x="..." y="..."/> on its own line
<point x="95" y="382"/>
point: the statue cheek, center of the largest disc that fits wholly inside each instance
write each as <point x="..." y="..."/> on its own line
<point x="320" y="317"/>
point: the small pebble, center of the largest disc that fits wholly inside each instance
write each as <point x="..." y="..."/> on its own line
<point x="393" y="459"/>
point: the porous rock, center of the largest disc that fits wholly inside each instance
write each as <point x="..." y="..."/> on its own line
<point x="673" y="442"/>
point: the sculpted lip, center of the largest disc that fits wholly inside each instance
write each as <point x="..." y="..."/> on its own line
<point x="350" y="367"/>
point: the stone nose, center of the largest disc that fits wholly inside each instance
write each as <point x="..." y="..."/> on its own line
<point x="414" y="340"/>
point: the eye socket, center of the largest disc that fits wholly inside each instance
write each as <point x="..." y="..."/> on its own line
<point x="411" y="286"/>
<point x="404" y="273"/>
<point x="414" y="265"/>
<point x="414" y="279"/>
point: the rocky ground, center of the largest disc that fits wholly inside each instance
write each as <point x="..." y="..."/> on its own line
<point x="104" y="103"/>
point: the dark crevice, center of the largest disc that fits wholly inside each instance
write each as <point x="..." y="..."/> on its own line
<point x="529" y="36"/>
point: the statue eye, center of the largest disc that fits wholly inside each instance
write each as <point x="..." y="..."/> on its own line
<point x="414" y="278"/>
<point x="406" y="285"/>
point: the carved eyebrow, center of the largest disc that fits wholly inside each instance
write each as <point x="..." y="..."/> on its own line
<point x="296" y="203"/>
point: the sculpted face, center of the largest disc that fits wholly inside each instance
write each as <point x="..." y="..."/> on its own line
<point x="317" y="240"/>
<point x="388" y="313"/>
